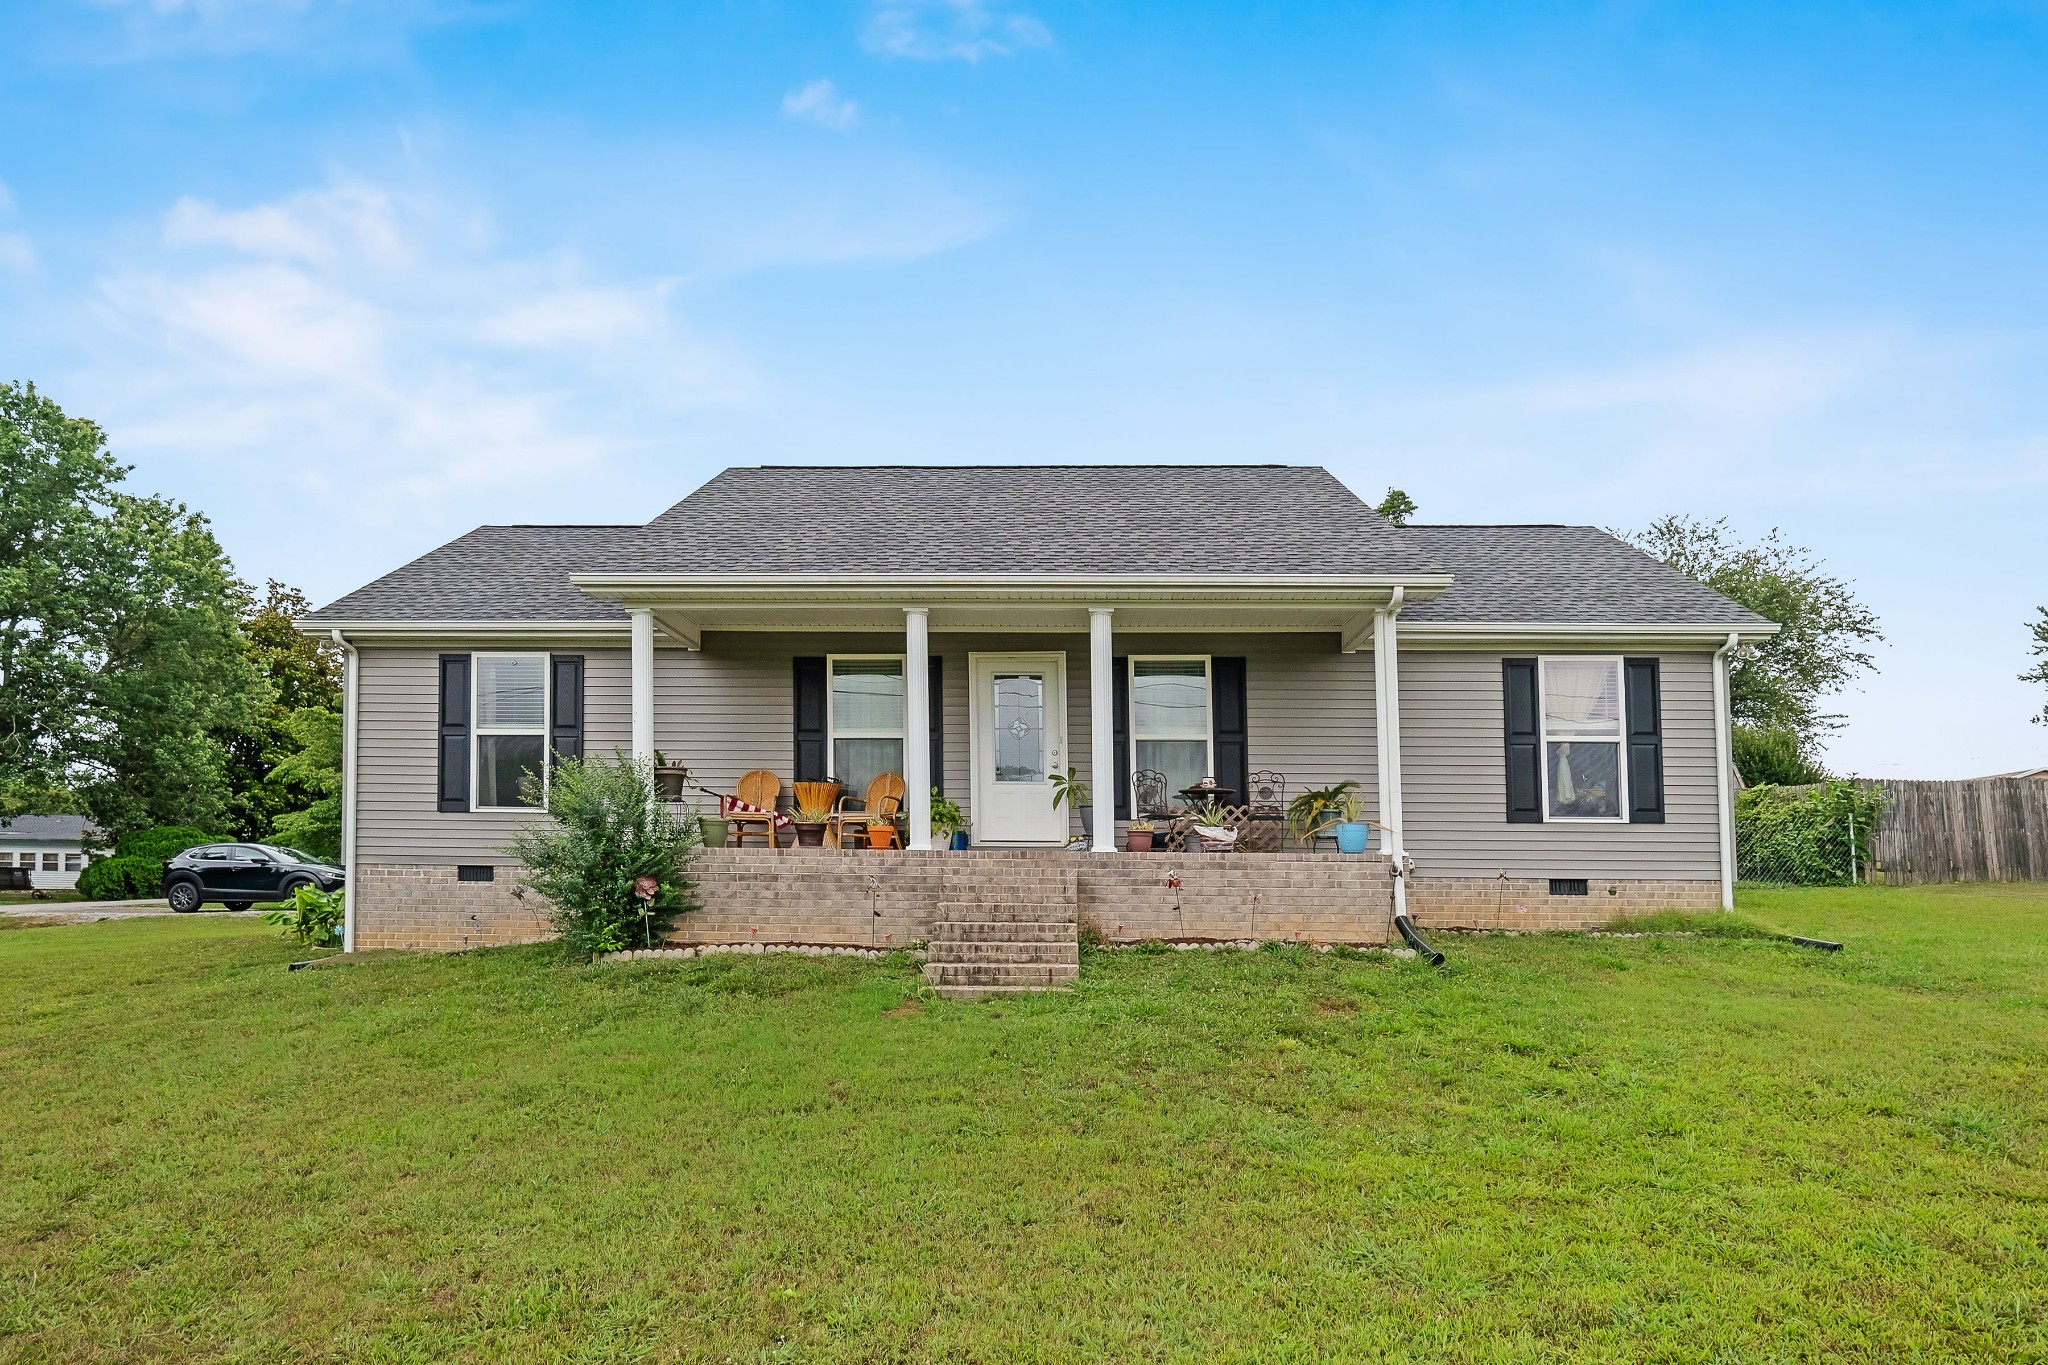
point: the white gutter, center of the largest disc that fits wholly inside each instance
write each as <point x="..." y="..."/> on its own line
<point x="1723" y="757"/>
<point x="350" y="710"/>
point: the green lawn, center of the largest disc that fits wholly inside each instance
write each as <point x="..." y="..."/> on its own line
<point x="1666" y="1148"/>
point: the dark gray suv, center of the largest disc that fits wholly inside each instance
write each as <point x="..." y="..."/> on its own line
<point x="239" y="875"/>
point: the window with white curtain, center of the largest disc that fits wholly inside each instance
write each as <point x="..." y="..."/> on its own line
<point x="511" y="727"/>
<point x="1170" y="730"/>
<point x="1582" y="738"/>
<point x="864" y="721"/>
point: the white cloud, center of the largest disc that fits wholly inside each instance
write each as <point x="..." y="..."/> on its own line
<point x="821" y="103"/>
<point x="374" y="346"/>
<point x="952" y="30"/>
<point x="577" y="316"/>
<point x="318" y="226"/>
<point x="17" y="253"/>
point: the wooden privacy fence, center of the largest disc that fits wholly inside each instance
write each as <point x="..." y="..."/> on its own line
<point x="1992" y="830"/>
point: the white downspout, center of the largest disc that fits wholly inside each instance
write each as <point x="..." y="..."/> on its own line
<point x="1397" y="828"/>
<point x="351" y="709"/>
<point x="1722" y="758"/>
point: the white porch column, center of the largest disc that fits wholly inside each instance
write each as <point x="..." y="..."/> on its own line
<point x="643" y="685"/>
<point x="1102" y="727"/>
<point x="917" y="724"/>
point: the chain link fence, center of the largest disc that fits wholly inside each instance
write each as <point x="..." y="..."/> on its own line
<point x="1805" y="836"/>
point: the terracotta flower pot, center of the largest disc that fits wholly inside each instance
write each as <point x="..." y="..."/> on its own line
<point x="1138" y="841"/>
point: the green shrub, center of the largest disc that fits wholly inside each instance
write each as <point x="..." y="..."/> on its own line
<point x="1773" y="756"/>
<point x="1805" y="838"/>
<point x="312" y="916"/>
<point x="610" y="852"/>
<point x="122" y="878"/>
<point x="163" y="842"/>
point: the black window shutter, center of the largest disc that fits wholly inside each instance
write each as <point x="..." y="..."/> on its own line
<point x="454" y="781"/>
<point x="1645" y="743"/>
<point x="936" y="700"/>
<point x="811" y="764"/>
<point x="1524" y="741"/>
<point x="565" y="731"/>
<point x="1228" y="721"/>
<point x="1120" y="694"/>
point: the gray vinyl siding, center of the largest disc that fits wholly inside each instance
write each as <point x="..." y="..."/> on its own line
<point x="398" y="723"/>
<point x="729" y="708"/>
<point x="1454" y="780"/>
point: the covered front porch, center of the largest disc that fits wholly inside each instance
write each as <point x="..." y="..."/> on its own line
<point x="1159" y="694"/>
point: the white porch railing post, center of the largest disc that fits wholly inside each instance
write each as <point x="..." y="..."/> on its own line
<point x="643" y="685"/>
<point x="917" y="724"/>
<point x="1102" y="726"/>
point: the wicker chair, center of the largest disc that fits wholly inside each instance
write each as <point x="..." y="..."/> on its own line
<point x="760" y="789"/>
<point x="877" y="811"/>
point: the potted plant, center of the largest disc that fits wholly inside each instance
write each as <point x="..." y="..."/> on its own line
<point x="948" y="824"/>
<point x="669" y="778"/>
<point x="1138" y="836"/>
<point x="1211" y="830"/>
<point x="1311" y="814"/>
<point x="1353" y="833"/>
<point x="810" y="825"/>
<point x="1071" y="792"/>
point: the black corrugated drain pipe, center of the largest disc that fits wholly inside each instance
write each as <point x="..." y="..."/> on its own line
<point x="1401" y="920"/>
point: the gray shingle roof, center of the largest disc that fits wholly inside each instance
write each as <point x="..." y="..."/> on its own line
<point x="44" y="829"/>
<point x="1110" y="519"/>
<point x="495" y="573"/>
<point x="1273" y="519"/>
<point x="1563" y="574"/>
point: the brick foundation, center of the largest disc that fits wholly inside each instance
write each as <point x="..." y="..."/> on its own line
<point x="1526" y="902"/>
<point x="892" y="899"/>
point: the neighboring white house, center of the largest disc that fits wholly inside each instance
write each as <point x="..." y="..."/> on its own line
<point x="51" y="847"/>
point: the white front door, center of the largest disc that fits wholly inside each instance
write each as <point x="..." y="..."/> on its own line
<point x="1019" y="715"/>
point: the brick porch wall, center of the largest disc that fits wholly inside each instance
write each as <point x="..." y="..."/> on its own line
<point x="891" y="899"/>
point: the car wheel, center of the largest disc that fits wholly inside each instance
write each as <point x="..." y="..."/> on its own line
<point x="291" y="887"/>
<point x="184" y="897"/>
<point x="238" y="905"/>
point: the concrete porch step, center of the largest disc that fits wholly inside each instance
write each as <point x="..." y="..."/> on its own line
<point x="1067" y="954"/>
<point x="1006" y="931"/>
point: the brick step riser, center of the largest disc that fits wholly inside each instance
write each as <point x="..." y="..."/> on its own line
<point x="998" y="974"/>
<point x="1013" y="912"/>
<point x="1006" y="931"/>
<point x="1059" y="954"/>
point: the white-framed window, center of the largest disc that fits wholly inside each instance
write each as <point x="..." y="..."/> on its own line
<point x="73" y="861"/>
<point x="1584" y="775"/>
<point x="1170" y="714"/>
<point x="49" y="862"/>
<point x="509" y="701"/>
<point x="865" y="705"/>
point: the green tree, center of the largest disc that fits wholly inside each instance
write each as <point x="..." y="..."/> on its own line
<point x="1397" y="507"/>
<point x="2039" y="672"/>
<point x="1773" y="757"/>
<point x="121" y="655"/>
<point x="265" y="784"/>
<point x="312" y="766"/>
<point x="1780" y="683"/>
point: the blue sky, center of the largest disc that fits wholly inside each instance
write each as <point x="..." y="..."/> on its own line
<point x="356" y="277"/>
